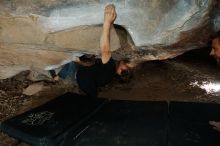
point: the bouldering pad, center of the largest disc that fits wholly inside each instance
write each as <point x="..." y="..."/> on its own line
<point x="127" y="123"/>
<point x="49" y="124"/>
<point x="189" y="124"/>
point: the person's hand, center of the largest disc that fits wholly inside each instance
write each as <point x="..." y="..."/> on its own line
<point x="110" y="14"/>
<point x="216" y="125"/>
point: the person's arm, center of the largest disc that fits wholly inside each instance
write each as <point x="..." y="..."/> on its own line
<point x="109" y="17"/>
<point x="216" y="125"/>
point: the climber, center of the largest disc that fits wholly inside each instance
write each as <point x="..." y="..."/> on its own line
<point x="215" y="52"/>
<point x="89" y="77"/>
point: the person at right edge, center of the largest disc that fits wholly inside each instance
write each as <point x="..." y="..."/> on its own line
<point x="215" y="52"/>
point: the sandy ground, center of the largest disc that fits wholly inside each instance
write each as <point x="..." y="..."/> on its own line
<point x="184" y="78"/>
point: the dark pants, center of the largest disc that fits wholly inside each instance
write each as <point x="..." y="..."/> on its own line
<point x="69" y="69"/>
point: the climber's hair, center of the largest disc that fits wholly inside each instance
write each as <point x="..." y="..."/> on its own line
<point x="126" y="75"/>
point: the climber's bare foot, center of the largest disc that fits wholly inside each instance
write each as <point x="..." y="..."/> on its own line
<point x="56" y="78"/>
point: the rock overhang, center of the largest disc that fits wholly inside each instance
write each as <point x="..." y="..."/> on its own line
<point x="160" y="29"/>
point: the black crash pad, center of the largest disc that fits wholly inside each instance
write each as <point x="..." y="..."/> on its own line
<point x="78" y="120"/>
<point x="49" y="124"/>
<point x="127" y="123"/>
<point x="189" y="124"/>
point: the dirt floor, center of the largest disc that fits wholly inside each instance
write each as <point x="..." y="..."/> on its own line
<point x="193" y="76"/>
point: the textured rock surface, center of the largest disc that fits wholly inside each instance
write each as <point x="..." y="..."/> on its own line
<point x="33" y="89"/>
<point x="216" y="17"/>
<point x="37" y="34"/>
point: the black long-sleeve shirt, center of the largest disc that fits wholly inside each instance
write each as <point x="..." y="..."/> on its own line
<point x="97" y="75"/>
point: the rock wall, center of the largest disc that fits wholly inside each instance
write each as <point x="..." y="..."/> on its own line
<point x="215" y="16"/>
<point x="45" y="34"/>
